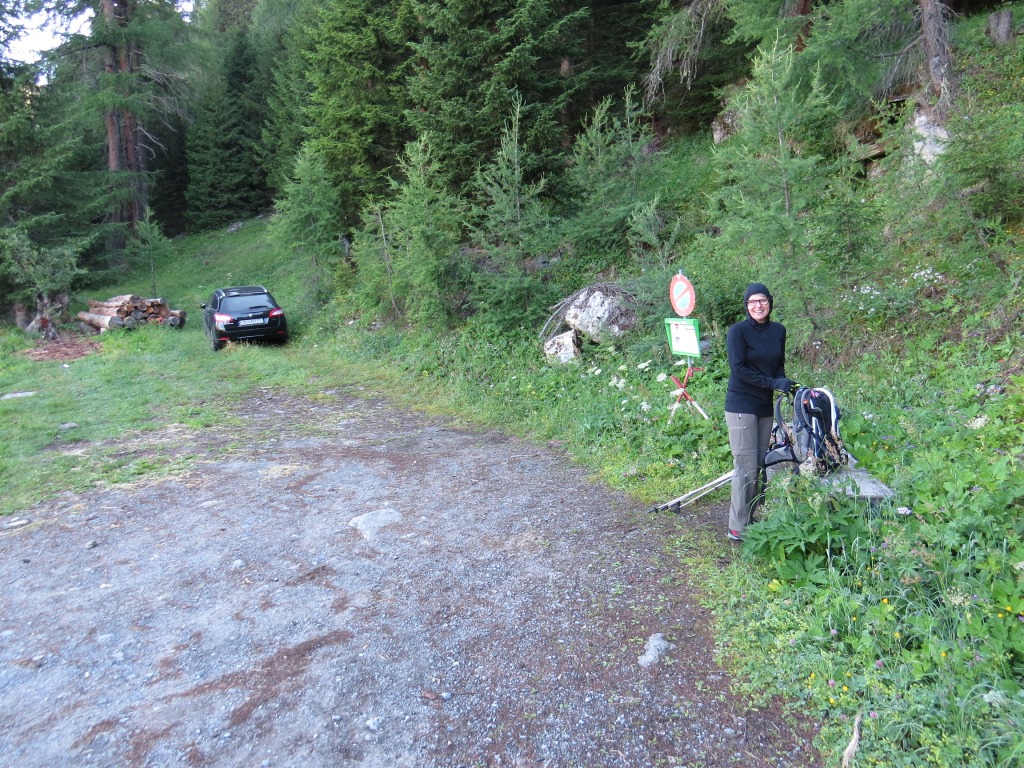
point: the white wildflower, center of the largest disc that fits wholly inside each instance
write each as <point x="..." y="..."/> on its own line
<point x="996" y="698"/>
<point x="904" y="511"/>
<point x="622" y="368"/>
<point x="957" y="598"/>
<point x="977" y="422"/>
<point x="662" y="377"/>
<point x="645" y="407"/>
<point x="644" y="366"/>
<point x="1019" y="567"/>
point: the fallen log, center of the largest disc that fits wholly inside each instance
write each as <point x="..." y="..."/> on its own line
<point x="101" y="321"/>
<point x="93" y="304"/>
<point x="128" y="298"/>
<point x="118" y="311"/>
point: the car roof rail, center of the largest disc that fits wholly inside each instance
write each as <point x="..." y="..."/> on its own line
<point x="244" y="290"/>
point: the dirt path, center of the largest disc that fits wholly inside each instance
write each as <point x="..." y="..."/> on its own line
<point x="349" y="585"/>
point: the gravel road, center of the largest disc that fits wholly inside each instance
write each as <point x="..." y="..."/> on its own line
<point x="340" y="583"/>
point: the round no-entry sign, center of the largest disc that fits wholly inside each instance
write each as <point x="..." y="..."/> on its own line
<point x="680" y="293"/>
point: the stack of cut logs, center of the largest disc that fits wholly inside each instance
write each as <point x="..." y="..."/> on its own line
<point x="130" y="312"/>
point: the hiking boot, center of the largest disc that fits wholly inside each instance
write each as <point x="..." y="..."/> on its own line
<point x="735" y="535"/>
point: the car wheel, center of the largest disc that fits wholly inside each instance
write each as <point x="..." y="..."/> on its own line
<point x="218" y="345"/>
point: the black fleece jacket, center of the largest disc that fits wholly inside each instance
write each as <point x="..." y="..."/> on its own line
<point x="757" y="366"/>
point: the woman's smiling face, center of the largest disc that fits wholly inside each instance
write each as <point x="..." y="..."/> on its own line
<point x="758" y="307"/>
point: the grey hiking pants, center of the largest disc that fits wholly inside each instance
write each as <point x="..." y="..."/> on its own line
<point x="748" y="438"/>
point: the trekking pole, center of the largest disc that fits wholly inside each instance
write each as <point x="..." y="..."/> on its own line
<point x="688" y="498"/>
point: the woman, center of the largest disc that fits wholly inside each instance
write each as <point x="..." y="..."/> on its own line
<point x="757" y="355"/>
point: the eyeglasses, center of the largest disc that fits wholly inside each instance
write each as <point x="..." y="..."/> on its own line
<point x="762" y="302"/>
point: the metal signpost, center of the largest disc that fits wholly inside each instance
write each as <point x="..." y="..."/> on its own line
<point x="683" y="338"/>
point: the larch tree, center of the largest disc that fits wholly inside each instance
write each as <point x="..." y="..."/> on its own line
<point x="51" y="194"/>
<point x="132" y="67"/>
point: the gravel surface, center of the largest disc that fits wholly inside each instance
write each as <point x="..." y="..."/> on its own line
<point x="340" y="583"/>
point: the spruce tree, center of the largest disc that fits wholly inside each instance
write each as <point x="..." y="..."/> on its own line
<point x="280" y="33"/>
<point x="472" y="61"/>
<point x="212" y="164"/>
<point x="306" y="220"/>
<point x="768" y="179"/>
<point x="513" y="225"/>
<point x="408" y="254"/>
<point x="226" y="180"/>
<point x="247" y="88"/>
<point x="357" y="63"/>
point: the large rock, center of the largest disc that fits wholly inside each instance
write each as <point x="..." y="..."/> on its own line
<point x="600" y="313"/>
<point x="930" y="138"/>
<point x="725" y="125"/>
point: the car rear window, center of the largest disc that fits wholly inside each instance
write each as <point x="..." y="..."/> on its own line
<point x="233" y="304"/>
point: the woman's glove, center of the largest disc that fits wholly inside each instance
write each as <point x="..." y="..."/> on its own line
<point x="785" y="385"/>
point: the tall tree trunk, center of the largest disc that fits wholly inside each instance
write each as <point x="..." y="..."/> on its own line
<point x="125" y="153"/>
<point x="938" y="55"/>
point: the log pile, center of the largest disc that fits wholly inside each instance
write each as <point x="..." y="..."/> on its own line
<point x="130" y="312"/>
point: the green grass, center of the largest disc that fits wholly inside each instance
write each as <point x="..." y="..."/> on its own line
<point x="146" y="381"/>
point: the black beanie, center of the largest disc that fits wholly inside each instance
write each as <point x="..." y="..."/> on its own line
<point x="758" y="288"/>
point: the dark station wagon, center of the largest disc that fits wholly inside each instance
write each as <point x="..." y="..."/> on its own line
<point x="243" y="313"/>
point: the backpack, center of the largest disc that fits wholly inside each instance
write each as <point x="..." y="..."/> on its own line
<point x="811" y="436"/>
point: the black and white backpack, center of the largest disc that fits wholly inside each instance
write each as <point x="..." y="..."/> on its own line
<point x="810" y="437"/>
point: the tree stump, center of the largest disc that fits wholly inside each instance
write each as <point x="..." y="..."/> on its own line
<point x="1000" y="27"/>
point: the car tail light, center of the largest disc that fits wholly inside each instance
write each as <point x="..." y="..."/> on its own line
<point x="221" y="319"/>
<point x="277" y="312"/>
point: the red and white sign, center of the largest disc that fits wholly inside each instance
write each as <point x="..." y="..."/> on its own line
<point x="680" y="293"/>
